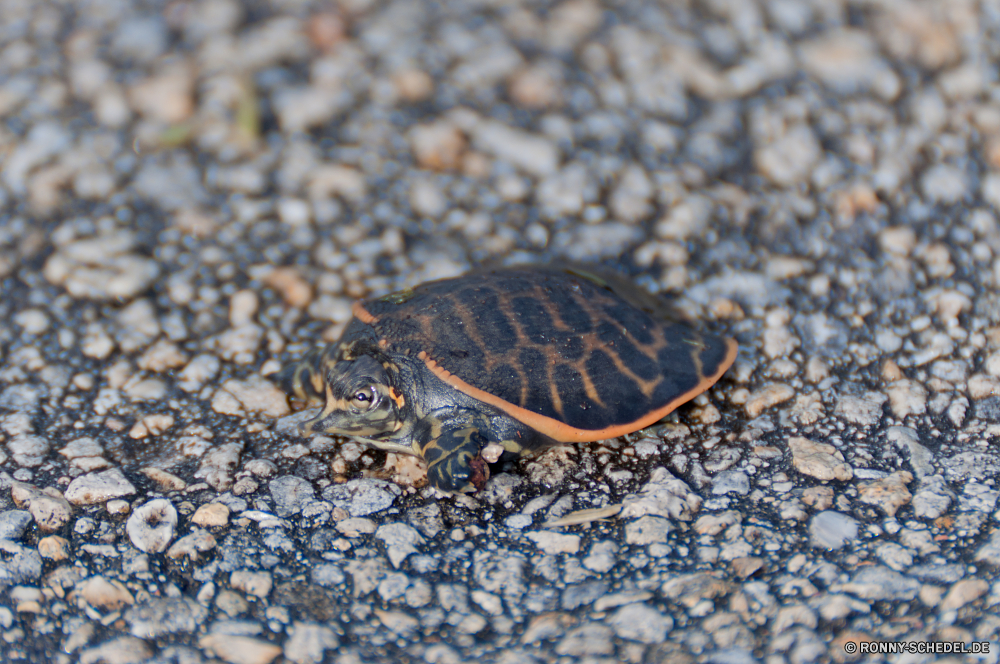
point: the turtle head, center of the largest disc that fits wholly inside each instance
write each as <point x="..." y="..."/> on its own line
<point x="361" y="401"/>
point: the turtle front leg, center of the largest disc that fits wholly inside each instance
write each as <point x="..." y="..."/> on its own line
<point x="451" y="448"/>
<point x="306" y="379"/>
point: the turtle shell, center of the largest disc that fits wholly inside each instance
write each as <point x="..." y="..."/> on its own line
<point x="564" y="351"/>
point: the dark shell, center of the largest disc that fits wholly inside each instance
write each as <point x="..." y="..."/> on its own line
<point x="561" y="350"/>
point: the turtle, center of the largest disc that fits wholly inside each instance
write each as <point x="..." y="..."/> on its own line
<point x="506" y="360"/>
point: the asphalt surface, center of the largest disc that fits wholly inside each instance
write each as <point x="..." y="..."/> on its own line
<point x="193" y="193"/>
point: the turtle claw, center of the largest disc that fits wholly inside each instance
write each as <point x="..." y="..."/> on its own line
<point x="480" y="473"/>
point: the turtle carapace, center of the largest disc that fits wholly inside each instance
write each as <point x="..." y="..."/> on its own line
<point x="520" y="358"/>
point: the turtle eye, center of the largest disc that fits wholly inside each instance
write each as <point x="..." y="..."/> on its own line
<point x="363" y="399"/>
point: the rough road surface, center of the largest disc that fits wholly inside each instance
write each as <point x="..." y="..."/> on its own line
<point x="193" y="192"/>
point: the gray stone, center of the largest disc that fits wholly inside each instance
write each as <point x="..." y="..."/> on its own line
<point x="500" y="572"/>
<point x="308" y="641"/>
<point x="165" y="615"/>
<point x="895" y="556"/>
<point x="603" y="556"/>
<point x="362" y="497"/>
<point x="400" y="541"/>
<point x="573" y="597"/>
<point x="907" y="439"/>
<point x="453" y="597"/>
<point x="236" y="627"/>
<point x="123" y="650"/>
<point x="96" y="488"/>
<point x="394" y="585"/>
<point x="427" y="519"/>
<point x="22" y="398"/>
<point x="327" y="575"/>
<point x="518" y="521"/>
<point x="291" y="494"/>
<point x="28" y="449"/>
<point x="942" y="573"/>
<point x="18" y="564"/>
<point x="733" y="656"/>
<point x="932" y="498"/>
<point x="990" y="551"/>
<point x="587" y="640"/>
<point x="880" y="583"/>
<point x="988" y="409"/>
<point x="640" y="622"/>
<point x="832" y="530"/>
<point x="664" y="495"/>
<point x="152" y="525"/>
<point x="731" y="481"/>
<point x="647" y="530"/>
<point x="13" y="524"/>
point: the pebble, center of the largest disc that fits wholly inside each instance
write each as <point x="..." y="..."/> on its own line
<point x="647" y="530"/>
<point x="664" y="495"/>
<point x="789" y="159"/>
<point x="101" y="268"/>
<point x="937" y="573"/>
<point x="400" y="541"/>
<point x="356" y="526"/>
<point x="553" y="543"/>
<point x="846" y="60"/>
<point x="192" y="545"/>
<point x="327" y="575"/>
<point x="258" y="584"/>
<point x="308" y="641"/>
<point x="907" y="397"/>
<point x="587" y="640"/>
<point x="28" y="450"/>
<point x="819" y="460"/>
<point x="13" y="524"/>
<point x="218" y="464"/>
<point x="398" y="622"/>
<point x="532" y="153"/>
<point x="767" y="396"/>
<point x="54" y="548"/>
<point x="198" y="371"/>
<point x="888" y="494"/>
<point x="438" y="146"/>
<point x="123" y="650"/>
<point x="518" y="521"/>
<point x="962" y="593"/>
<point x="832" y="530"/>
<point x="253" y="395"/>
<point x="932" y="498"/>
<point x="97" y="488"/>
<point x="231" y="603"/>
<point x="104" y="594"/>
<point x="865" y="410"/>
<point x="18" y="564"/>
<point x="290" y="494"/>
<point x="989" y="552"/>
<point x="211" y="515"/>
<point x="239" y="649"/>
<point x="583" y="594"/>
<point x="731" y="481"/>
<point x="602" y="557"/>
<point x="895" y="556"/>
<point x="152" y="525"/>
<point x="640" y="622"/>
<point x="876" y="582"/>
<point x="361" y="497"/>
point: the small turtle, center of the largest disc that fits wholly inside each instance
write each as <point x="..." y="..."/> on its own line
<point x="512" y="359"/>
